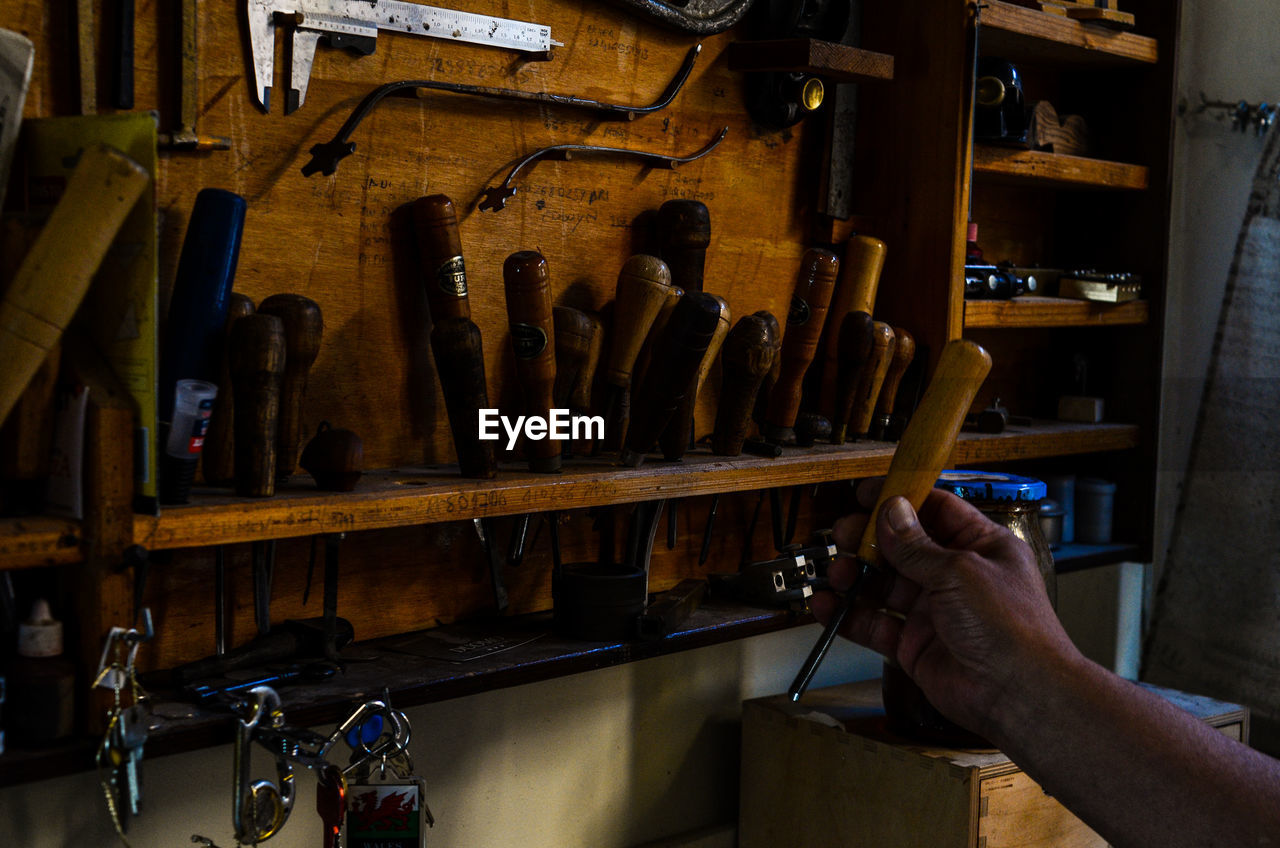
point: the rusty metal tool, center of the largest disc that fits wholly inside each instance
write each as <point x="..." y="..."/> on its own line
<point x="185" y="137"/>
<point x="672" y="373"/>
<point x="326" y="155"/>
<point x="303" y="330"/>
<point x="527" y="282"/>
<point x="812" y="295"/>
<point x="456" y="343"/>
<point x="644" y="284"/>
<point x="495" y="197"/>
<point x="354" y="24"/>
<point x="870" y="380"/>
<point x="904" y="351"/>
<point x="920" y="457"/>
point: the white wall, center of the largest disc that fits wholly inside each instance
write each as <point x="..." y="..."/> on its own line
<point x="606" y="759"/>
<point x="1230" y="51"/>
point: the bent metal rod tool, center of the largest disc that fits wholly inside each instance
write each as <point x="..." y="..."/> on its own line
<point x="925" y="447"/>
<point x="326" y="155"/>
<point x="495" y="198"/>
<point x="354" y="24"/>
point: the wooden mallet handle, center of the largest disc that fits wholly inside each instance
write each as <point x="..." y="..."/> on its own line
<point x="745" y="360"/>
<point x="303" y="329"/>
<point x="256" y="357"/>
<point x="527" y="281"/>
<point x="814" y="284"/>
<point x="55" y="274"/>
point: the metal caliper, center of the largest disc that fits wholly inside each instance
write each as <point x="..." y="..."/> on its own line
<point x="354" y="24"/>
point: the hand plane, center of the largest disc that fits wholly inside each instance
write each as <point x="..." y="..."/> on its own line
<point x="354" y="24"/>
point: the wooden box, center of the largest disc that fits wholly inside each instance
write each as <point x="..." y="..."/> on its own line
<point x="829" y="773"/>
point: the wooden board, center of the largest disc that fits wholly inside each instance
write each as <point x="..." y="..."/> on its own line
<point x="1034" y="311"/>
<point x="1051" y="170"/>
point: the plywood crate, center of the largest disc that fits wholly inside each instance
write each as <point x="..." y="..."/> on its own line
<point x="828" y="772"/>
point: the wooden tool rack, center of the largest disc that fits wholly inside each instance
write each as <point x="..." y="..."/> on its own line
<point x="410" y="560"/>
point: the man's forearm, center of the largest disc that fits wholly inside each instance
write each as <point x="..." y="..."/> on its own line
<point x="1136" y="769"/>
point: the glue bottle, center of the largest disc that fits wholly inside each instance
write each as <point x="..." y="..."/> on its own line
<point x="41" y="683"/>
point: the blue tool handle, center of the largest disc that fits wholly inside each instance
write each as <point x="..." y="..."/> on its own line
<point x="191" y="347"/>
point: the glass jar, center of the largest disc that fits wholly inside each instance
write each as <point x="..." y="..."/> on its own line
<point x="1008" y="500"/>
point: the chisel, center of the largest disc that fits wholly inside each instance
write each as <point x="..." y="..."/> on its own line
<point x="217" y="460"/>
<point x="808" y="311"/>
<point x="870" y="380"/>
<point x="527" y="283"/>
<point x="857" y="332"/>
<point x="919" y="459"/>
<point x="746" y="358"/>
<point x="676" y="438"/>
<point x="303" y="326"/>
<point x="455" y="339"/>
<point x="672" y="372"/>
<point x="644" y="284"/>
<point x="256" y="351"/>
<point x="684" y="232"/>
<point x="855" y="292"/>
<point x="883" y="426"/>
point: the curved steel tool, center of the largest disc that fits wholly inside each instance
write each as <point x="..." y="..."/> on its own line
<point x="326" y="156"/>
<point x="495" y="198"/>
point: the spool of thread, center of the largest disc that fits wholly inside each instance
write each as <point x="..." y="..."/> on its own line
<point x="1095" y="504"/>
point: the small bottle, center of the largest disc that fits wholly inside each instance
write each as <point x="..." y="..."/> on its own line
<point x="41" y="683"/>
<point x="972" y="253"/>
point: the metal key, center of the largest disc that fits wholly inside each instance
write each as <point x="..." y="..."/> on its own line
<point x="331" y="802"/>
<point x="132" y="730"/>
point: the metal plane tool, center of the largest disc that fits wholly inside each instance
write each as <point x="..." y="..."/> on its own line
<point x="354" y="24"/>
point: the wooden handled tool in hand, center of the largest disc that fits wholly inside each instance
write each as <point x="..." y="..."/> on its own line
<point x="55" y="274"/>
<point x="303" y="328"/>
<point x="814" y="284"/>
<point x="527" y="281"/>
<point x="456" y="343"/>
<point x="746" y="359"/>
<point x="255" y="354"/>
<point x="914" y="469"/>
<point x="672" y="372"/>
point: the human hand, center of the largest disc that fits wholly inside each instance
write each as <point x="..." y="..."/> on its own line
<point x="963" y="608"/>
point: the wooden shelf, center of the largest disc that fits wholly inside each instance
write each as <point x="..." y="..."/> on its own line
<point x="401" y="665"/>
<point x="1036" y="168"/>
<point x="38" y="540"/>
<point x="1027" y="35"/>
<point x="408" y="497"/>
<point x="1033" y="311"/>
<point x="827" y="59"/>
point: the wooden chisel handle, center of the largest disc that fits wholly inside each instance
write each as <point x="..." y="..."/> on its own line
<point x="871" y="379"/>
<point x="217" y="459"/>
<point x="684" y="232"/>
<point x="55" y="274"/>
<point x="644" y="284"/>
<point x="904" y="350"/>
<point x="459" y="355"/>
<point x="671" y="375"/>
<point x="855" y="291"/>
<point x="814" y="284"/>
<point x="931" y="436"/>
<point x="303" y="329"/>
<point x="527" y="282"/>
<point x="435" y="224"/>
<point x="675" y="438"/>
<point x="857" y="331"/>
<point x="580" y="396"/>
<point x="919" y="459"/>
<point x="745" y="360"/>
<point x="256" y="356"/>
<point x="575" y="332"/>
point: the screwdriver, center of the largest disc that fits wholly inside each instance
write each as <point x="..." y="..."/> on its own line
<point x="904" y="350"/>
<point x="303" y="329"/>
<point x="926" y="445"/>
<point x="527" y="282"/>
<point x="672" y="373"/>
<point x="812" y="295"/>
<point x="455" y="339"/>
<point x="644" y="284"/>
<point x="870" y="379"/>
<point x="676" y="437"/>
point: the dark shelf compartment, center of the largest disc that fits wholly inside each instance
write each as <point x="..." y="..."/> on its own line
<point x="1074" y="557"/>
<point x="538" y="654"/>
